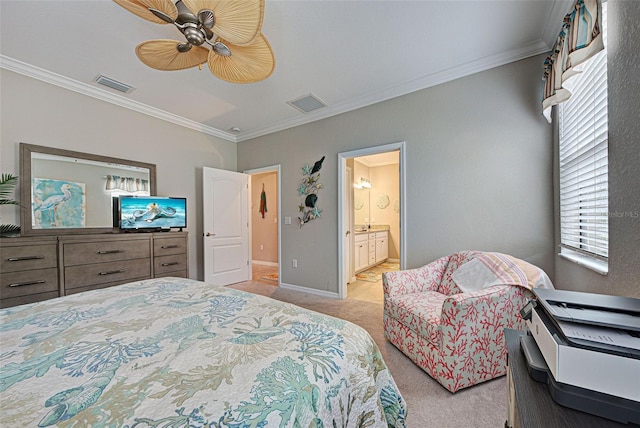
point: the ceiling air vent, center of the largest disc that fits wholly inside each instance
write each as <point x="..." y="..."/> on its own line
<point x="307" y="103"/>
<point x="114" y="84"/>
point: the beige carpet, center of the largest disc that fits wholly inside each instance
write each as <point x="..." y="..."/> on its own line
<point x="429" y="404"/>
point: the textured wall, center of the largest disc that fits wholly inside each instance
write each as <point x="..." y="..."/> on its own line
<point x="623" y="64"/>
<point x="40" y="113"/>
<point x="479" y="171"/>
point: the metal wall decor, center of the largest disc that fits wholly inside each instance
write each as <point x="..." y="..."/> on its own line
<point x="309" y="187"/>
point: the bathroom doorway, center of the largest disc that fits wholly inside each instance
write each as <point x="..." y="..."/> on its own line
<point x="371" y="203"/>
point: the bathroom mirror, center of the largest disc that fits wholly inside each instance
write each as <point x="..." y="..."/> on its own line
<point x="67" y="192"/>
<point x="361" y="205"/>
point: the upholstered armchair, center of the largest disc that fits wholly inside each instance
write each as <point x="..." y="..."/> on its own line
<point x="458" y="337"/>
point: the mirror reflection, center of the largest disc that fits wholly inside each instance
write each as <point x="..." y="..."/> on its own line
<point x="72" y="191"/>
<point x="361" y="204"/>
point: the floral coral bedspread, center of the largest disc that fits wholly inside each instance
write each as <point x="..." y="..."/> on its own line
<point x="175" y="352"/>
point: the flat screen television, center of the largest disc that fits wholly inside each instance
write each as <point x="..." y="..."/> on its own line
<point x="149" y="213"/>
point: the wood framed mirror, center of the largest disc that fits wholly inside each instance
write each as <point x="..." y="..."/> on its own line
<point x="66" y="192"/>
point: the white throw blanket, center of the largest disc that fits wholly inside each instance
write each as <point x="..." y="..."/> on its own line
<point x="489" y="269"/>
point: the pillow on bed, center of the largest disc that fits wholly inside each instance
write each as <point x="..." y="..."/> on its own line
<point x="489" y="269"/>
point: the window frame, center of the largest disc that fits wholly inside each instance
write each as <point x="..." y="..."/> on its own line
<point x="581" y="239"/>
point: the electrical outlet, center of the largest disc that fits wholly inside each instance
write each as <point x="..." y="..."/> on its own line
<point x="261" y="247"/>
<point x="294" y="263"/>
<point x="275" y="220"/>
<point x="287" y="220"/>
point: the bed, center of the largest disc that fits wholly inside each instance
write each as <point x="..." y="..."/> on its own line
<point x="174" y="352"/>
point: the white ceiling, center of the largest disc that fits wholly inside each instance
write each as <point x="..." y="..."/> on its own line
<point x="348" y="53"/>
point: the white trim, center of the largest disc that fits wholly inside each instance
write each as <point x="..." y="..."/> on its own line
<point x="276" y="169"/>
<point x="47" y="76"/>
<point x="531" y="49"/>
<point x="262" y="263"/>
<point x="462" y="70"/>
<point x="342" y="194"/>
<point x="593" y="264"/>
<point x="321" y="293"/>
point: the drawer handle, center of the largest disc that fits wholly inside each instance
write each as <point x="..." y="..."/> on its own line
<point x="111" y="272"/>
<point x="20" y="284"/>
<point x="108" y="252"/>
<point x="21" y="259"/>
<point x="170" y="264"/>
<point x="165" y="247"/>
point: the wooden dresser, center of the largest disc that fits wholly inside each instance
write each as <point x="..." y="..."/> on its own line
<point x="28" y="270"/>
<point x="35" y="269"/>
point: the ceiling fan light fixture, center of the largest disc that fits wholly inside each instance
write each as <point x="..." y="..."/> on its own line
<point x="206" y="18"/>
<point x="221" y="49"/>
<point x="238" y="53"/>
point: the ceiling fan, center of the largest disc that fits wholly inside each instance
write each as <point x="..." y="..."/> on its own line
<point x="226" y="34"/>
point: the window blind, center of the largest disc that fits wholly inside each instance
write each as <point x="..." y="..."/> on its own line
<point x="584" y="205"/>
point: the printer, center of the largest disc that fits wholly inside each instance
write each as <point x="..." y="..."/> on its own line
<point x="586" y="347"/>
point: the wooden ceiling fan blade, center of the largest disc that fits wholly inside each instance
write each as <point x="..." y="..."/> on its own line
<point x="237" y="21"/>
<point x="141" y="9"/>
<point x="246" y="64"/>
<point x="164" y="55"/>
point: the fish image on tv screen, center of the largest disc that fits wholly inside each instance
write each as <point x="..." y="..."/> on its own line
<point x="152" y="212"/>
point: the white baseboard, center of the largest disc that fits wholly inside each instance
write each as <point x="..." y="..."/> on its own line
<point x="308" y="290"/>
<point x="394" y="260"/>
<point x="260" y="262"/>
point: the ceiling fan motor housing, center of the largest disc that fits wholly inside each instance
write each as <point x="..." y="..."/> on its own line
<point x="194" y="35"/>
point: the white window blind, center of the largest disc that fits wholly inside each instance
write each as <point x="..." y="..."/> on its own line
<point x="584" y="205"/>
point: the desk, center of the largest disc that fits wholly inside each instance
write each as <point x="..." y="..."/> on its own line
<point x="531" y="406"/>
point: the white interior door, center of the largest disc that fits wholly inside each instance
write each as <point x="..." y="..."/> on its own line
<point x="226" y="226"/>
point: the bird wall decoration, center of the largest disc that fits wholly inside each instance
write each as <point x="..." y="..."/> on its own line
<point x="309" y="188"/>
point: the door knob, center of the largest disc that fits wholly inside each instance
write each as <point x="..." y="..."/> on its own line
<point x="347" y="233"/>
<point x="210" y="234"/>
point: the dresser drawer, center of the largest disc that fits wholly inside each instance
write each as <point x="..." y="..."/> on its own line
<point x="177" y="274"/>
<point x="168" y="246"/>
<point x="105" y="251"/>
<point x="15" y="284"/>
<point x="102" y="273"/>
<point x="27" y="257"/>
<point x="171" y="263"/>
<point x="31" y="298"/>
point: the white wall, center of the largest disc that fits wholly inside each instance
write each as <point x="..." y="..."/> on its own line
<point x="39" y="113"/>
<point x="479" y="171"/>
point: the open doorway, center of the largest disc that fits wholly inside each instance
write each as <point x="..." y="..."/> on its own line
<point x="264" y="225"/>
<point x="372" y="239"/>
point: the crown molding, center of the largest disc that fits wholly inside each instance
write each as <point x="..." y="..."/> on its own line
<point x="553" y="24"/>
<point x="43" y="75"/>
<point x="482" y="64"/>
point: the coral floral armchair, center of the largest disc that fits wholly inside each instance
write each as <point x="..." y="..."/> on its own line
<point x="458" y="337"/>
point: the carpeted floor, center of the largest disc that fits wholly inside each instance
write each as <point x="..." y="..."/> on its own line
<point x="429" y="404"/>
